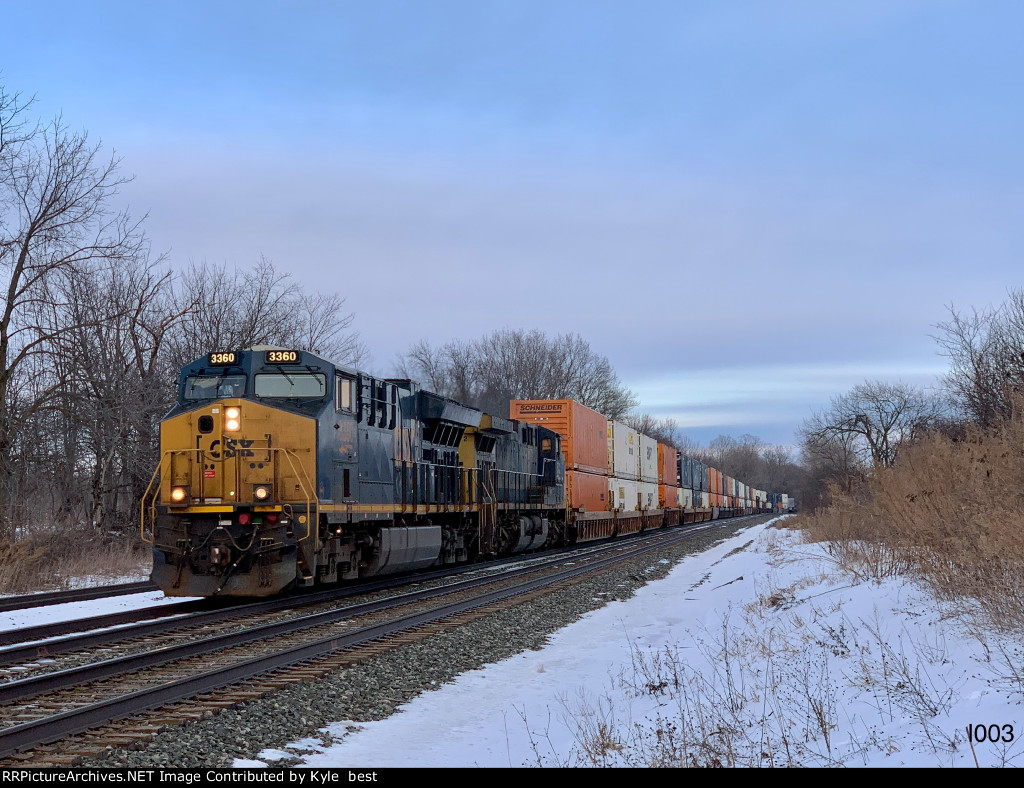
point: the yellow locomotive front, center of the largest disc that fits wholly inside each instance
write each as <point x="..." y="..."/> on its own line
<point x="232" y="508"/>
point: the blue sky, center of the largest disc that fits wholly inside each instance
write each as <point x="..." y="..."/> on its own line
<point x="747" y="206"/>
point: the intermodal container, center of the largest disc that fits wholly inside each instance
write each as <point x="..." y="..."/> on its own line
<point x="668" y="496"/>
<point x="582" y="429"/>
<point x="623" y="451"/>
<point x="715" y="485"/>
<point x="684" y="469"/>
<point x="648" y="492"/>
<point x="624" y="494"/>
<point x="648" y="459"/>
<point x="587" y="491"/>
<point x="668" y="465"/>
<point x="701" y="474"/>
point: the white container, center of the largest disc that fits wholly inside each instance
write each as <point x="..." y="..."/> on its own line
<point x="624" y="452"/>
<point x="684" y="495"/>
<point x="623" y="493"/>
<point x="648" y="492"/>
<point x="648" y="459"/>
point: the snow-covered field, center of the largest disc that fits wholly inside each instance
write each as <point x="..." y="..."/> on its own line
<point x="759" y="652"/>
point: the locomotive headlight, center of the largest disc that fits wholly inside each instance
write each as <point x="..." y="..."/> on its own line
<point x="232" y="419"/>
<point x="261" y="492"/>
<point x="178" y="494"/>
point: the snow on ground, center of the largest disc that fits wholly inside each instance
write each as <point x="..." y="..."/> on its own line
<point x="759" y="652"/>
<point x="69" y="611"/>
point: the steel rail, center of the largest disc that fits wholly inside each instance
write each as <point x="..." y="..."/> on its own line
<point x="25" y="601"/>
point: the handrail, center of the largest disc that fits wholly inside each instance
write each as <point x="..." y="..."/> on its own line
<point x="306" y="486"/>
<point x="142" y="504"/>
<point x="493" y="473"/>
<point x="289" y="453"/>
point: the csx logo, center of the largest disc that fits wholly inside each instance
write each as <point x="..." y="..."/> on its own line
<point x="232" y="447"/>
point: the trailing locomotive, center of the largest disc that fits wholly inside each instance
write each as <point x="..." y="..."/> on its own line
<point x="279" y="468"/>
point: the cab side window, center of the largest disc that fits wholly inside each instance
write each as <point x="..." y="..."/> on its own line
<point x="344" y="393"/>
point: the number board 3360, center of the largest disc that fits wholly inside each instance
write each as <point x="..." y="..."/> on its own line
<point x="222" y="358"/>
<point x="282" y="356"/>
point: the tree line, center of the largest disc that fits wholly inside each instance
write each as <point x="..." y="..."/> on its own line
<point x="94" y="326"/>
<point x="867" y="428"/>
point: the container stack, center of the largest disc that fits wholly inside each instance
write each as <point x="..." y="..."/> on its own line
<point x="624" y="464"/>
<point x="668" y="477"/>
<point x="584" y="445"/>
<point x="648" y="486"/>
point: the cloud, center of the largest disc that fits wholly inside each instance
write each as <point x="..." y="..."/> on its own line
<point x="767" y="400"/>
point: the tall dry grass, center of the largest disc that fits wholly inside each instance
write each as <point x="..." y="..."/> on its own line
<point x="56" y="559"/>
<point x="951" y="511"/>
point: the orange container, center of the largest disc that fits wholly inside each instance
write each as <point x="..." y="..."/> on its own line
<point x="668" y="465"/>
<point x="717" y="484"/>
<point x="587" y="491"/>
<point x="668" y="496"/>
<point x="584" y="431"/>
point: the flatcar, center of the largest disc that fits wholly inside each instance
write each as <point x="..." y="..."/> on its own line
<point x="281" y="469"/>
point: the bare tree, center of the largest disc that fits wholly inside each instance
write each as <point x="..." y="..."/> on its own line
<point x="874" y="419"/>
<point x="117" y="386"/>
<point x="57" y="228"/>
<point x="687" y="445"/>
<point x="831" y="456"/>
<point x="323" y="327"/>
<point x="662" y="430"/>
<point x="238" y="308"/>
<point x="986" y="355"/>
<point x="515" y="364"/>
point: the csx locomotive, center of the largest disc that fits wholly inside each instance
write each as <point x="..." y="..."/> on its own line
<point x="281" y="469"/>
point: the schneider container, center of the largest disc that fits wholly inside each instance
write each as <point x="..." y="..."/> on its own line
<point x="583" y="431"/>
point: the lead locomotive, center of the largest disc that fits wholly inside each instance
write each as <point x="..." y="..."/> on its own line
<point x="279" y="468"/>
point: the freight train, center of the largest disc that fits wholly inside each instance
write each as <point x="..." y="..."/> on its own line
<point x="280" y="469"/>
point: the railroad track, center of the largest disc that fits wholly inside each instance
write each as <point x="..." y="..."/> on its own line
<point x="24" y="643"/>
<point x="35" y="650"/>
<point x="223" y="670"/>
<point x="25" y="601"/>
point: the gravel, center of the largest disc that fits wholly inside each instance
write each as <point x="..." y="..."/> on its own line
<point x="374" y="689"/>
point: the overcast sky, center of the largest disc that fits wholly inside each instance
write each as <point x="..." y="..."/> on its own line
<point x="747" y="206"/>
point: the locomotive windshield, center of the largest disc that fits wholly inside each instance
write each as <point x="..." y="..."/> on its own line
<point x="294" y="384"/>
<point x="199" y="387"/>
